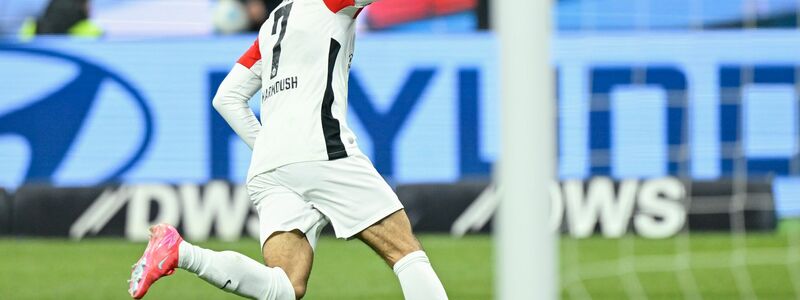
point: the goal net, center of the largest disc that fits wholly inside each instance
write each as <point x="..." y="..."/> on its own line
<point x="678" y="149"/>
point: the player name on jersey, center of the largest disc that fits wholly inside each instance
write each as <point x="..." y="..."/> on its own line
<point x="280" y="86"/>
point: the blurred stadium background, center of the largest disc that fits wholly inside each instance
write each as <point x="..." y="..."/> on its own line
<point x="678" y="140"/>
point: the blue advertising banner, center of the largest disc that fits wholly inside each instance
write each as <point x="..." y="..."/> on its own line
<point x="82" y="113"/>
<point x="695" y="105"/>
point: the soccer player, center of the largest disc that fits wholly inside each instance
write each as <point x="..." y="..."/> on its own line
<point x="306" y="169"/>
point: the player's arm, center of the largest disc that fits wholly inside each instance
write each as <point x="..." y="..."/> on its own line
<point x="241" y="83"/>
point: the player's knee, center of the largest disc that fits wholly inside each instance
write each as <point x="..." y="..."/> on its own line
<point x="299" y="290"/>
<point x="298" y="285"/>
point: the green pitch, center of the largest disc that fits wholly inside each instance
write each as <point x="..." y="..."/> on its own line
<point x="97" y="269"/>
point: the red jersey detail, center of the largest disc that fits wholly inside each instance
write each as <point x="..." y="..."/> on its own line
<point x="358" y="12"/>
<point x="250" y="57"/>
<point x="336" y="5"/>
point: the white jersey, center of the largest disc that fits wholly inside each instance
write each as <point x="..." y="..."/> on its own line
<point x="307" y="47"/>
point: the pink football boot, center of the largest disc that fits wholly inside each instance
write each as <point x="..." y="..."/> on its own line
<point x="160" y="259"/>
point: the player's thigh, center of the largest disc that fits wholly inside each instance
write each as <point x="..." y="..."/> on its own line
<point x="288" y="229"/>
<point x="280" y="209"/>
<point x="348" y="191"/>
<point x="391" y="237"/>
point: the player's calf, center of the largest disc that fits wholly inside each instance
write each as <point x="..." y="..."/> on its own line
<point x="394" y="241"/>
<point x="391" y="238"/>
<point x="236" y="273"/>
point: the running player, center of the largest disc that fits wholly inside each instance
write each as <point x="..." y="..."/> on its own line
<point x="306" y="169"/>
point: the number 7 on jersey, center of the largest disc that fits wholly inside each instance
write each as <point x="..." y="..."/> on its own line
<point x="282" y="15"/>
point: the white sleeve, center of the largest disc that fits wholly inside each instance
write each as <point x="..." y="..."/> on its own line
<point x="231" y="99"/>
<point x="363" y="3"/>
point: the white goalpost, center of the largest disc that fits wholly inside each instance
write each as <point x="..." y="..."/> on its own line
<point x="525" y="257"/>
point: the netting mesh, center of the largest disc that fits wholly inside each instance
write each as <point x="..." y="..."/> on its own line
<point x="737" y="260"/>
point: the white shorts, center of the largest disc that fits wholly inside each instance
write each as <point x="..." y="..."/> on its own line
<point x="349" y="193"/>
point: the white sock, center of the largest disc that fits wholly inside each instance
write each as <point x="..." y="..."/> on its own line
<point x="236" y="273"/>
<point x="417" y="278"/>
